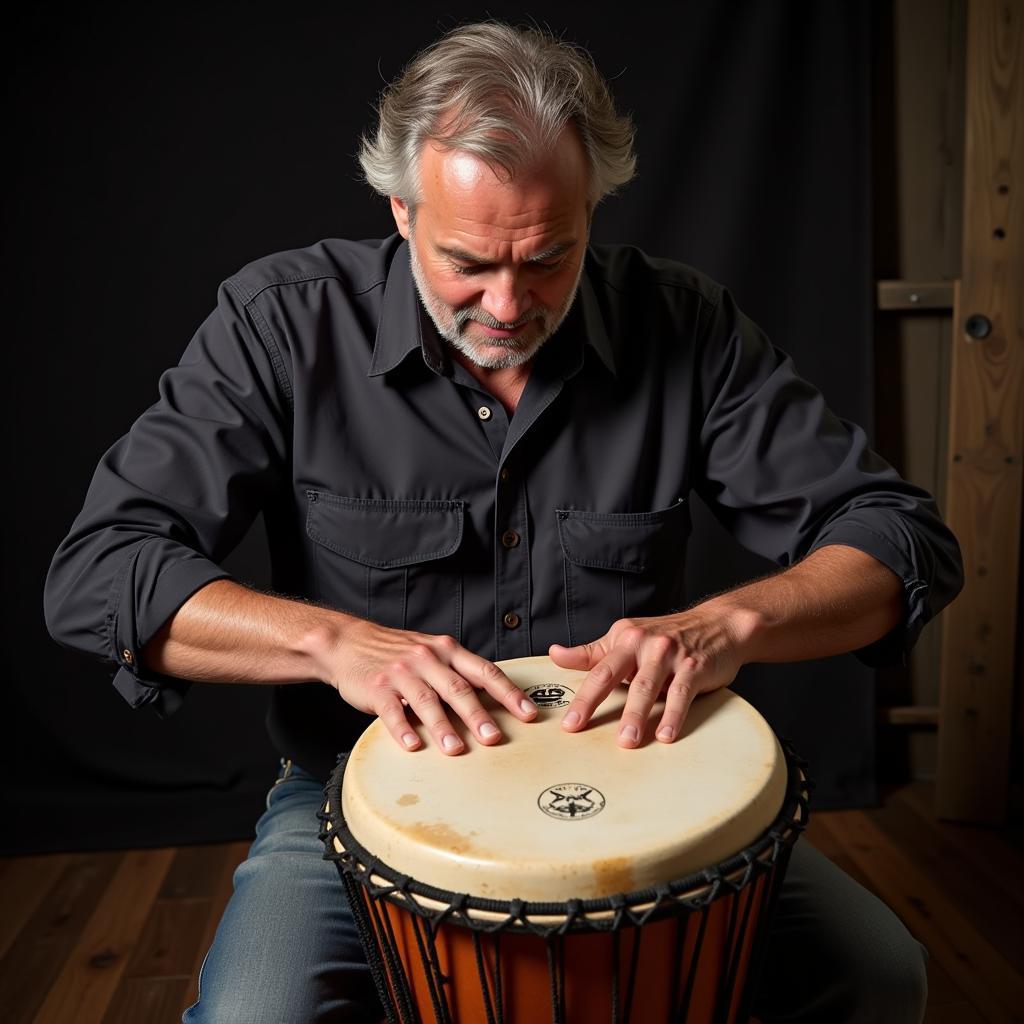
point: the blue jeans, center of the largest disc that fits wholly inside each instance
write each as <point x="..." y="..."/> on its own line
<point x="287" y="950"/>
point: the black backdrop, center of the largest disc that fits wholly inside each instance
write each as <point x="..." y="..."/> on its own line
<point x="153" y="151"/>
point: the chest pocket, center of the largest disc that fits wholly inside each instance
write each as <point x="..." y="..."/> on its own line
<point x="393" y="562"/>
<point x="621" y="564"/>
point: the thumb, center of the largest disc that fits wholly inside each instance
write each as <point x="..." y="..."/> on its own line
<point x="584" y="657"/>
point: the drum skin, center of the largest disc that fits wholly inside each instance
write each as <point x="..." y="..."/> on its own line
<point x="552" y="817"/>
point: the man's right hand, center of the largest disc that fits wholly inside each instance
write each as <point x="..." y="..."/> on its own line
<point x="387" y="672"/>
<point x="227" y="633"/>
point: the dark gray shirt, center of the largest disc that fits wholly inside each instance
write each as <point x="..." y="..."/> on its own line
<point x="394" y="487"/>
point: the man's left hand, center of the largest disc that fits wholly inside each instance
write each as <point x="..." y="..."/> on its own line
<point x="676" y="656"/>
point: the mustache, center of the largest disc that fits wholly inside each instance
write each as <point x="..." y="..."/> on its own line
<point x="481" y="316"/>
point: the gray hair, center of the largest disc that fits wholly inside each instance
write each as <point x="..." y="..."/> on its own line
<point x="504" y="94"/>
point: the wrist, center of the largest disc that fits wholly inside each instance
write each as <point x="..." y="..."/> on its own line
<point x="744" y="622"/>
<point x="318" y="642"/>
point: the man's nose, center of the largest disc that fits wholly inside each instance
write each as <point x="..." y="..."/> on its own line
<point x="506" y="298"/>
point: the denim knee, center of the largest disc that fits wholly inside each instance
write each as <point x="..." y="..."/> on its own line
<point x="287" y="948"/>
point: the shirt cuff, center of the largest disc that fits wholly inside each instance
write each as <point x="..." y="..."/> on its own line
<point x="148" y="591"/>
<point x="893" y="648"/>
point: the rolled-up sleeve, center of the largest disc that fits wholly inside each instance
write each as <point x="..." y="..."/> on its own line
<point x="786" y="476"/>
<point x="170" y="499"/>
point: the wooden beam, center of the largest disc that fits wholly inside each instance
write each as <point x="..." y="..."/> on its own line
<point x="986" y="439"/>
<point x="910" y="715"/>
<point x="915" y="295"/>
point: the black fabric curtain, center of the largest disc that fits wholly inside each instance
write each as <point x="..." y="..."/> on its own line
<point x="153" y="151"/>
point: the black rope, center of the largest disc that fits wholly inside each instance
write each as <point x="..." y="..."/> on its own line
<point x="722" y="1000"/>
<point x="392" y="961"/>
<point x="498" y="998"/>
<point x="356" y="901"/>
<point x="683" y="1010"/>
<point x="682" y="927"/>
<point x="615" y="977"/>
<point x="769" y="900"/>
<point x="556" y="978"/>
<point x="747" y="898"/>
<point x="752" y="876"/>
<point x="428" y="951"/>
<point x="481" y="973"/>
<point x="634" y="961"/>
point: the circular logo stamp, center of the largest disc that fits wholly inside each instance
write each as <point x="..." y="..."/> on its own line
<point x="571" y="801"/>
<point x="550" y="695"/>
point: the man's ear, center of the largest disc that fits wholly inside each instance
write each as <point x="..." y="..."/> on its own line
<point x="400" y="211"/>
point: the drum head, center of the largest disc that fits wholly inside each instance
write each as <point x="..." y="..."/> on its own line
<point x="551" y="816"/>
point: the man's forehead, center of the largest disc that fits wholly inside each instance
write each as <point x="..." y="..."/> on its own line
<point x="466" y="198"/>
<point x="562" y="165"/>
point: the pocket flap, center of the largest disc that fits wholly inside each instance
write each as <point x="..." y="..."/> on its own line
<point x="382" y="533"/>
<point x="622" y="541"/>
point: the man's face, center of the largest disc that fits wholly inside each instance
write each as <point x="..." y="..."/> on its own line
<point x="497" y="263"/>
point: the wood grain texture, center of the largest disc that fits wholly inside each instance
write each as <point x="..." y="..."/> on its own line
<point x="85" y="986"/>
<point x="986" y="439"/>
<point x="44" y="944"/>
<point x="24" y="883"/>
<point x="230" y="856"/>
<point x="973" y="962"/>
<point x="957" y="887"/>
<point x="153" y="1000"/>
<point x="910" y="295"/>
<point x="918" y="188"/>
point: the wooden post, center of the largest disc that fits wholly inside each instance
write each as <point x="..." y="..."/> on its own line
<point x="986" y="438"/>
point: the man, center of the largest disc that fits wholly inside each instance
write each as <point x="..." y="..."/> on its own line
<point x="475" y="441"/>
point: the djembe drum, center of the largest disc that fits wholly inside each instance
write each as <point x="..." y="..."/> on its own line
<point x="560" y="877"/>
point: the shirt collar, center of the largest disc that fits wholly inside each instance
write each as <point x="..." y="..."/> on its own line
<point x="404" y="326"/>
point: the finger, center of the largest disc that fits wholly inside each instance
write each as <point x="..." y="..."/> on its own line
<point x="488" y="677"/>
<point x="388" y="708"/>
<point x="678" y="698"/>
<point x="617" y="664"/>
<point x="423" y="699"/>
<point x="644" y="689"/>
<point x="460" y="694"/>
<point x="583" y="657"/>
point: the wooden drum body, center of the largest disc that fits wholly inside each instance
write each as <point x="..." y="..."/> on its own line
<point x="560" y="877"/>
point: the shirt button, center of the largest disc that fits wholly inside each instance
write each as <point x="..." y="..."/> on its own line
<point x="483" y="412"/>
<point x="503" y="474"/>
<point x="129" y="658"/>
<point x="510" y="538"/>
<point x="511" y="620"/>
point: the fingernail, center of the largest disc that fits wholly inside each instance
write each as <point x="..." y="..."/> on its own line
<point x="572" y="719"/>
<point x="487" y="730"/>
<point x="410" y="739"/>
<point x="451" y="741"/>
<point x="629" y="733"/>
<point x="666" y="732"/>
<point x="527" y="707"/>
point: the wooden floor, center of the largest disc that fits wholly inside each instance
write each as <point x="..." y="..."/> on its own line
<point x="119" y="936"/>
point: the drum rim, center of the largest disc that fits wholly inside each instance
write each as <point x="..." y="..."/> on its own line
<point x="598" y="913"/>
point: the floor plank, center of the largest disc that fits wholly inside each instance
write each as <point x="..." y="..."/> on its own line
<point x="959" y="878"/>
<point x="86" y="984"/>
<point x="977" y="968"/>
<point x="24" y="883"/>
<point x="231" y="855"/>
<point x="988" y="850"/>
<point x="168" y="943"/>
<point x="960" y="1012"/>
<point x="98" y="939"/>
<point x="43" y="945"/>
<point x="149" y="1000"/>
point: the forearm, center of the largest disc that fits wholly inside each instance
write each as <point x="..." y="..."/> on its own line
<point x="228" y="633"/>
<point x="837" y="599"/>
